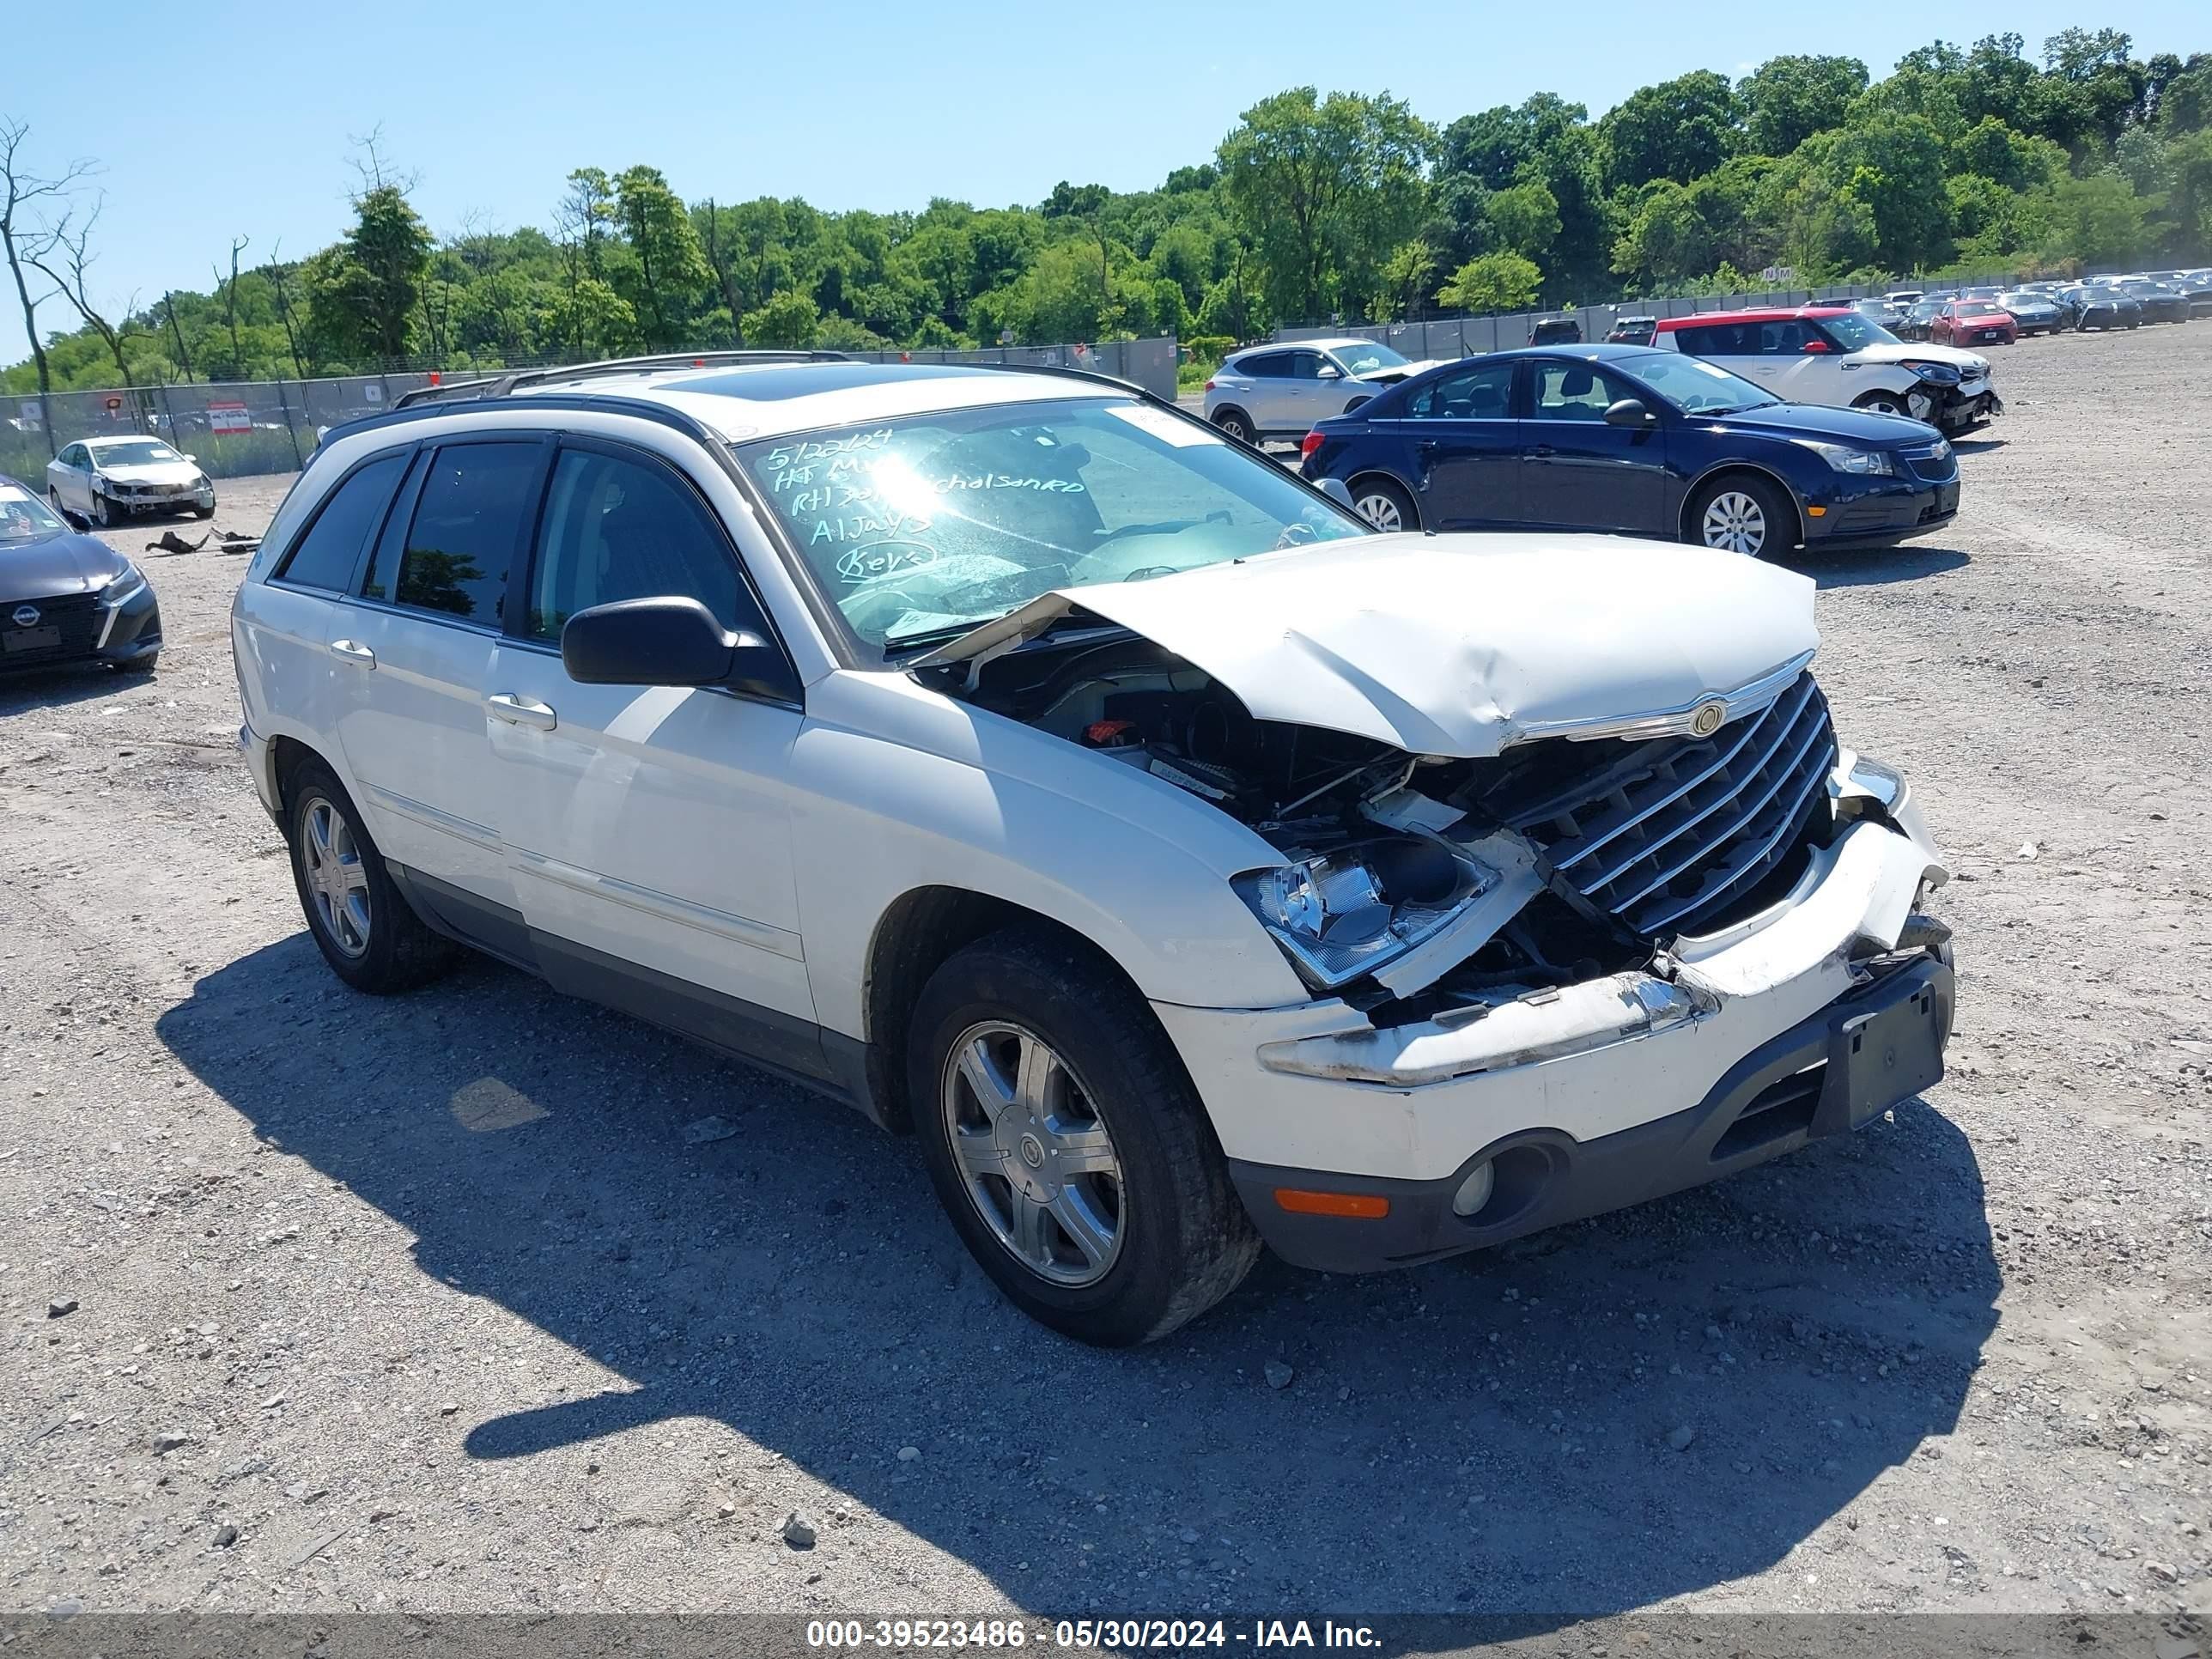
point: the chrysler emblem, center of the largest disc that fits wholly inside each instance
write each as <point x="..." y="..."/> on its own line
<point x="1707" y="720"/>
<point x="25" y="615"/>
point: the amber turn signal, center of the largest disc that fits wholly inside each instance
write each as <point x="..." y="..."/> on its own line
<point x="1370" y="1207"/>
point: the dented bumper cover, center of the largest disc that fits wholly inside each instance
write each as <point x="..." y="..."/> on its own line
<point x="1310" y="1094"/>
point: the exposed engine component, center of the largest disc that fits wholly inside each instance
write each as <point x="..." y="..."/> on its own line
<point x="1613" y="848"/>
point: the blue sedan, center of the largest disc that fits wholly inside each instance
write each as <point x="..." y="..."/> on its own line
<point x="1636" y="442"/>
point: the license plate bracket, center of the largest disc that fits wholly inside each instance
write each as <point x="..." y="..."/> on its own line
<point x="31" y="639"/>
<point x="1884" y="1055"/>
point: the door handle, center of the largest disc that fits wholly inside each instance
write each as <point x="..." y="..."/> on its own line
<point x="1425" y="446"/>
<point x="521" y="711"/>
<point x="1542" y="449"/>
<point x="354" y="652"/>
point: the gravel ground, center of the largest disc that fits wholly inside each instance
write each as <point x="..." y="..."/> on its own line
<point x="314" y="1302"/>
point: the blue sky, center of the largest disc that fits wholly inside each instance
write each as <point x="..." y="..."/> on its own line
<point x="228" y="118"/>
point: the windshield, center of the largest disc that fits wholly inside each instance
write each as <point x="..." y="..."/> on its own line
<point x="2011" y="301"/>
<point x="1977" y="308"/>
<point x="1856" y="333"/>
<point x="1365" y="357"/>
<point x="24" y="517"/>
<point x="922" y="526"/>
<point x="1695" y="386"/>
<point x="135" y="452"/>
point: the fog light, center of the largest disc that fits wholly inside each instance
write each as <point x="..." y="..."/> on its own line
<point x="1474" y="1192"/>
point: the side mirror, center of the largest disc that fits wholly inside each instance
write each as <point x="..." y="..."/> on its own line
<point x="191" y="457"/>
<point x="1338" y="491"/>
<point x="1630" y="411"/>
<point x="1815" y="348"/>
<point x="670" y="641"/>
<point x="1330" y="372"/>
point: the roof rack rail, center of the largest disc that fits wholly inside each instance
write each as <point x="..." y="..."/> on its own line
<point x="499" y="386"/>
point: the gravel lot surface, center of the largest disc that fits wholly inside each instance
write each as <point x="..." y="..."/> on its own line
<point x="316" y="1301"/>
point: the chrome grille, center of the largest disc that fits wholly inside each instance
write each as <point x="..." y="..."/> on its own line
<point x="1673" y="836"/>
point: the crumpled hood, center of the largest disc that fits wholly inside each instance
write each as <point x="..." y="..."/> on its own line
<point x="54" y="566"/>
<point x="1397" y="372"/>
<point x="153" y="472"/>
<point x="1457" y="645"/>
<point x="1921" y="351"/>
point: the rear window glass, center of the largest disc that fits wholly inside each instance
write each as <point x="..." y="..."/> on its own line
<point x="454" y="557"/>
<point x="324" y="556"/>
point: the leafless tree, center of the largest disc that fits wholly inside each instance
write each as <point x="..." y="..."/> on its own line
<point x="176" y="333"/>
<point x="230" y="307"/>
<point x="71" y="249"/>
<point x="279" y="284"/>
<point x="20" y="188"/>
<point x="370" y="166"/>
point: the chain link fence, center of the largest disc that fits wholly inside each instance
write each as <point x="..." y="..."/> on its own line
<point x="236" y="429"/>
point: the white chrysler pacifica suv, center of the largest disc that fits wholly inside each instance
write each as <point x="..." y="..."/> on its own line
<point x="1018" y="759"/>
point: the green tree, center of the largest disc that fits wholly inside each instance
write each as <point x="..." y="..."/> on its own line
<point x="666" y="271"/>
<point x="363" y="294"/>
<point x="788" y="321"/>
<point x="1891" y="164"/>
<point x="1787" y="99"/>
<point x="1327" y="190"/>
<point x="1495" y="281"/>
<point x="1679" y="129"/>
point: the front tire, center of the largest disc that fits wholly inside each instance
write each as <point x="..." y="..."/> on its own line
<point x="1740" y="514"/>
<point x="104" y="515"/>
<point x="204" y="512"/>
<point x="1066" y="1144"/>
<point x="1383" y="504"/>
<point x="361" y="921"/>
<point x="1884" y="403"/>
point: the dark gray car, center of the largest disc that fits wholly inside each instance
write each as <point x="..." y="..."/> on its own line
<point x="65" y="597"/>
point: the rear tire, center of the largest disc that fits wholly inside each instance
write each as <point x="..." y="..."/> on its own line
<point x="1025" y="1049"/>
<point x="360" y="920"/>
<point x="1233" y="423"/>
<point x="1384" y="505"/>
<point x="1742" y="513"/>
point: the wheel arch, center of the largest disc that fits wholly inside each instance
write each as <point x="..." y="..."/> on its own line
<point x="917" y="935"/>
<point x="1383" y="474"/>
<point x="1736" y="468"/>
<point x="1213" y="417"/>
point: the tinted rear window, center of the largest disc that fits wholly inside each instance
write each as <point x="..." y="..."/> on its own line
<point x="324" y="556"/>
<point x="454" y="557"/>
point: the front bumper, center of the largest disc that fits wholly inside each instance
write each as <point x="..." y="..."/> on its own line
<point x="85" y="632"/>
<point x="1316" y="1098"/>
<point x="1827" y="1075"/>
<point x="1890" y="510"/>
<point x="1964" y="406"/>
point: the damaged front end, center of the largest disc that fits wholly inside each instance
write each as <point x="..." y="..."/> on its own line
<point x="1425" y="887"/>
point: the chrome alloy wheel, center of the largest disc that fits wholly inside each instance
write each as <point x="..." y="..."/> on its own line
<point x="1033" y="1154"/>
<point x="1381" y="512"/>
<point x="337" y="881"/>
<point x="1734" y="522"/>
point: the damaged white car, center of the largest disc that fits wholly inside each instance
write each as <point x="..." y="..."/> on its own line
<point x="1010" y="756"/>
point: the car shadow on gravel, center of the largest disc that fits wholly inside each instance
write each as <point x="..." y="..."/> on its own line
<point x="1599" y="1418"/>
<point x="1863" y="567"/>
<point x="24" y="691"/>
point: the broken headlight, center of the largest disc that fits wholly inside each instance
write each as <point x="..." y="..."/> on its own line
<point x="1341" y="914"/>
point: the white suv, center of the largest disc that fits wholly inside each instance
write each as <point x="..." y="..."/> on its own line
<point x="1012" y="757"/>
<point x="1832" y="355"/>
<point x="1281" y="390"/>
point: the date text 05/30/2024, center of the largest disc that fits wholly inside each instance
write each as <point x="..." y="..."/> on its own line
<point x="1107" y="1634"/>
